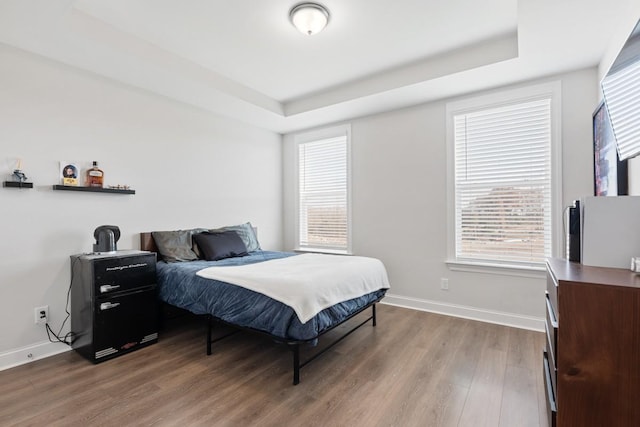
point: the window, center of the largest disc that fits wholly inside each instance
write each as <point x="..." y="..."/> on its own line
<point x="501" y="157"/>
<point x="323" y="217"/>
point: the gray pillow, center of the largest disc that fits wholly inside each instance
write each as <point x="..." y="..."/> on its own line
<point x="246" y="233"/>
<point x="174" y="246"/>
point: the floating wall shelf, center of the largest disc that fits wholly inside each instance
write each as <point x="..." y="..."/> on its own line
<point x="16" y="184"/>
<point x="93" y="189"/>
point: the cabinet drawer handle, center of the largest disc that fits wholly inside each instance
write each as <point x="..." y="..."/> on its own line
<point x="107" y="288"/>
<point x="108" y="305"/>
<point x="552" y="314"/>
<point x="551" y="398"/>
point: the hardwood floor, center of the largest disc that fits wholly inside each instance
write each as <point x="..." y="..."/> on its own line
<point x="413" y="369"/>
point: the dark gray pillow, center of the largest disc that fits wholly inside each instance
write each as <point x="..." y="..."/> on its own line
<point x="174" y="246"/>
<point x="194" y="246"/>
<point x="220" y="245"/>
<point x="246" y="233"/>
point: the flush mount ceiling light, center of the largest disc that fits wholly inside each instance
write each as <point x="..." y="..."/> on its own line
<point x="309" y="18"/>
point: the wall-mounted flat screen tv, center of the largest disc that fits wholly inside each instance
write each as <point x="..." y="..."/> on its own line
<point x="609" y="172"/>
<point x="621" y="90"/>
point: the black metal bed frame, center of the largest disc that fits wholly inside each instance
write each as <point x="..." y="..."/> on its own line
<point x="294" y="345"/>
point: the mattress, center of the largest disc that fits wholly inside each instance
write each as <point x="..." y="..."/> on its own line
<point x="179" y="286"/>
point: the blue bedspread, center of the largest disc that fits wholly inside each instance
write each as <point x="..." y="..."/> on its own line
<point x="179" y="285"/>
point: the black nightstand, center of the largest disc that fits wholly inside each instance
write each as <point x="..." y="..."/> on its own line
<point x="114" y="306"/>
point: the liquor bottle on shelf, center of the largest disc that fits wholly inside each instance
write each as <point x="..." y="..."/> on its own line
<point x="95" y="176"/>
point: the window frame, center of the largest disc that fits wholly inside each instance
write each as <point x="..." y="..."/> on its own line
<point x="552" y="91"/>
<point x="317" y="135"/>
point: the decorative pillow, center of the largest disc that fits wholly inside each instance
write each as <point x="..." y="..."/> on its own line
<point x="246" y="233"/>
<point x="174" y="246"/>
<point x="220" y="245"/>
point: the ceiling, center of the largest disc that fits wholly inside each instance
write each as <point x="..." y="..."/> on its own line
<point x="244" y="60"/>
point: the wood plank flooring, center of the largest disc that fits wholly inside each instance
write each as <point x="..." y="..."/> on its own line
<point x="413" y="369"/>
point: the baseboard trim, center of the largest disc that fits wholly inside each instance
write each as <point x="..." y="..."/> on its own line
<point x="23" y="355"/>
<point x="467" y="312"/>
<point x="30" y="353"/>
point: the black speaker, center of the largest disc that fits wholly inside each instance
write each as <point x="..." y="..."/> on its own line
<point x="573" y="232"/>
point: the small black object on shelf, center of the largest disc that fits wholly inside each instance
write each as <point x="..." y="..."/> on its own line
<point x="93" y="189"/>
<point x="17" y="184"/>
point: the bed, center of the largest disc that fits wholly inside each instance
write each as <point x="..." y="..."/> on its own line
<point x="188" y="286"/>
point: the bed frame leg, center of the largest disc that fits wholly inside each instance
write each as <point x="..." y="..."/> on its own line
<point x="209" y="327"/>
<point x="296" y="364"/>
<point x="373" y="308"/>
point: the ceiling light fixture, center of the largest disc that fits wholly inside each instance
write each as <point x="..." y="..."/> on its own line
<point x="309" y="18"/>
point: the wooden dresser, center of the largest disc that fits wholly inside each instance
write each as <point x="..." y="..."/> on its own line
<point x="592" y="358"/>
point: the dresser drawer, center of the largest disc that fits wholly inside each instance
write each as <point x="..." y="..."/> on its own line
<point x="551" y="329"/>
<point x="118" y="274"/>
<point x="552" y="409"/>
<point x="553" y="367"/>
<point x="551" y="324"/>
<point x="552" y="291"/>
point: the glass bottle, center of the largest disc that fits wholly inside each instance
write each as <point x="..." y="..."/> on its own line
<point x="95" y="176"/>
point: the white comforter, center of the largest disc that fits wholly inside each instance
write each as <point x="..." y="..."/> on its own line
<point x="307" y="283"/>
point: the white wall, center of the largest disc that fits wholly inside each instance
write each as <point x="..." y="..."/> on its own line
<point x="188" y="167"/>
<point x="399" y="206"/>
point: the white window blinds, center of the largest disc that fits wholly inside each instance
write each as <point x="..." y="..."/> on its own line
<point x="502" y="183"/>
<point x="323" y="194"/>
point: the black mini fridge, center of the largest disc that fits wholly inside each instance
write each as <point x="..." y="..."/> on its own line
<point x="114" y="305"/>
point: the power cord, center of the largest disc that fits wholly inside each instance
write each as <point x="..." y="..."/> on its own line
<point x="68" y="338"/>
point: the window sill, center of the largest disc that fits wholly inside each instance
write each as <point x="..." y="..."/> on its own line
<point x="495" y="268"/>
<point x="322" y="251"/>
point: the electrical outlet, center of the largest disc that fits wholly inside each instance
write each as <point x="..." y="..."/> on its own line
<point x="444" y="284"/>
<point x="41" y="314"/>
